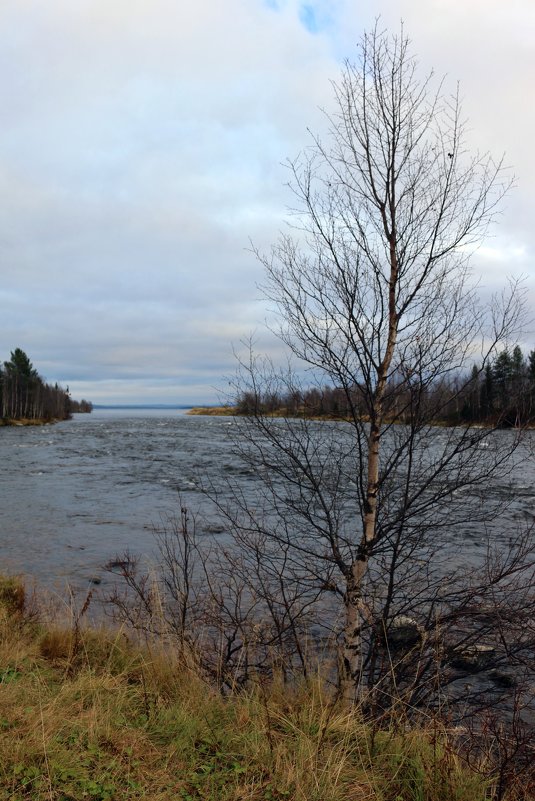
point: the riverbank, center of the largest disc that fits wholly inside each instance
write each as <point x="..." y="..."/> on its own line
<point x="232" y="411"/>
<point x="213" y="411"/>
<point x="28" y="421"/>
<point x="85" y="713"/>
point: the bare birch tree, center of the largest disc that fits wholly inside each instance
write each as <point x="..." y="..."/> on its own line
<point x="383" y="515"/>
<point x="375" y="295"/>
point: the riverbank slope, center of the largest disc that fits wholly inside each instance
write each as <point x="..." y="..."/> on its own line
<point x="84" y="713"/>
<point x="25" y="421"/>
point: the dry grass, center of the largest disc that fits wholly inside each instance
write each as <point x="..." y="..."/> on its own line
<point x="213" y="411"/>
<point x="86" y="715"/>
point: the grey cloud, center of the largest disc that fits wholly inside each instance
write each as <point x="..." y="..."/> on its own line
<point x="141" y="148"/>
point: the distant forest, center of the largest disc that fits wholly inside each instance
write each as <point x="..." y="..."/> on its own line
<point x="501" y="393"/>
<point x="24" y="395"/>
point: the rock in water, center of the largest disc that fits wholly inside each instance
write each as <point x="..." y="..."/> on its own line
<point x="473" y="658"/>
<point x="404" y="632"/>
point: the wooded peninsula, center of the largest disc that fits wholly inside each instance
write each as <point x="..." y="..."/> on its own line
<point x="27" y="399"/>
<point x="500" y="392"/>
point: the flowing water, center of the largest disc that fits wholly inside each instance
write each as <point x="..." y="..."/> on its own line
<point x="76" y="494"/>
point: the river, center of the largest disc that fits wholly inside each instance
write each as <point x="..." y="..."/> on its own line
<point x="78" y="493"/>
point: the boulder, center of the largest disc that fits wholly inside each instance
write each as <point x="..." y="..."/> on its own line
<point x="404" y="632"/>
<point x="473" y="658"/>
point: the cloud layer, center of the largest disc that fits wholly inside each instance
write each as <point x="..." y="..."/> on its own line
<point x="141" y="148"/>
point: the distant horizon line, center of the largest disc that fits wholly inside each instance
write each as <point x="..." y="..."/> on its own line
<point x="151" y="405"/>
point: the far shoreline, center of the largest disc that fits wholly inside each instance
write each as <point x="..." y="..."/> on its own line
<point x="232" y="411"/>
<point x="213" y="411"/>
<point x="29" y="421"/>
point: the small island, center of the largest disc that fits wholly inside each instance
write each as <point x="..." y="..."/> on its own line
<point x="27" y="399"/>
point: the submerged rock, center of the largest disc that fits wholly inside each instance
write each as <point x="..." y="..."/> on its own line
<point x="472" y="658"/>
<point x="120" y="565"/>
<point x="503" y="678"/>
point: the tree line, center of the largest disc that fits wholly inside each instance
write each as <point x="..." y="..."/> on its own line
<point x="501" y="391"/>
<point x="25" y="395"/>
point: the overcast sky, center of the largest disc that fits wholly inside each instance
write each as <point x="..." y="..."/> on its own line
<point x="141" y="145"/>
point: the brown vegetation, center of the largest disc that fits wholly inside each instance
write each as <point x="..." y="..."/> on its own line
<point x="117" y="722"/>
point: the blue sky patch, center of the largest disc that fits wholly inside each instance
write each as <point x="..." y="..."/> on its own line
<point x="309" y="18"/>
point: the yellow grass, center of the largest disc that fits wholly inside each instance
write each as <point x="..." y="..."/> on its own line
<point x="84" y="714"/>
